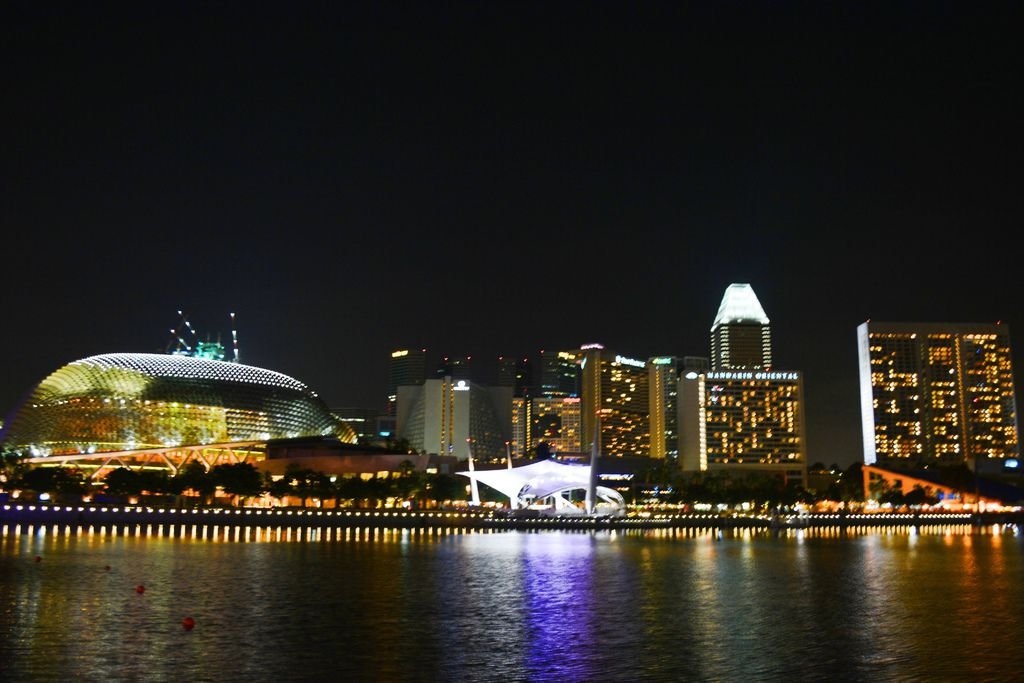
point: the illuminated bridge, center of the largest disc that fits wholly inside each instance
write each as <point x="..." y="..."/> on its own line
<point x="153" y="410"/>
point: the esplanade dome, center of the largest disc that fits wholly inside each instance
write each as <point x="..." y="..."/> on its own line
<point x="139" y="401"/>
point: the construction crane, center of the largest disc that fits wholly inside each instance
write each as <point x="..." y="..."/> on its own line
<point x="234" y="339"/>
<point x="178" y="346"/>
<point x="182" y="348"/>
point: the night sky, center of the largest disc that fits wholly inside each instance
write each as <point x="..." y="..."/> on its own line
<point x="496" y="178"/>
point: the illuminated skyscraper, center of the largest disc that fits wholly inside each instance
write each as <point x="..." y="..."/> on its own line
<point x="560" y="374"/>
<point x="663" y="385"/>
<point x="408" y="367"/>
<point x="740" y="336"/>
<point x="616" y="387"/>
<point x="556" y="422"/>
<point x="742" y="415"/>
<point x="439" y="416"/>
<point x="522" y="420"/>
<point x="938" y="393"/>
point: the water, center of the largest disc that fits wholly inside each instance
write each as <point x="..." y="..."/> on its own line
<point x="401" y="605"/>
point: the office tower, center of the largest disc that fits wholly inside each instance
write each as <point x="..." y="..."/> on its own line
<point x="440" y="415"/>
<point x="455" y="367"/>
<point x="741" y="416"/>
<point x="740" y="336"/>
<point x="937" y="393"/>
<point x="408" y="367"/>
<point x="615" y="389"/>
<point x="663" y="383"/>
<point x="559" y="374"/>
<point x="516" y="373"/>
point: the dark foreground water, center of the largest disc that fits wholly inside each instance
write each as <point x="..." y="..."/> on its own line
<point x="898" y="605"/>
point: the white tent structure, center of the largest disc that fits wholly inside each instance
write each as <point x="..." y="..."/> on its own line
<point x="549" y="480"/>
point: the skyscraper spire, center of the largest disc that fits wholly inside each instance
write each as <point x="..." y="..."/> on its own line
<point x="740" y="336"/>
<point x="740" y="305"/>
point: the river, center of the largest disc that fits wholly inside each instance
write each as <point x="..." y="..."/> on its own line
<point x="942" y="603"/>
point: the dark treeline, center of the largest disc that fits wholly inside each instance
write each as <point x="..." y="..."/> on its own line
<point x="243" y="483"/>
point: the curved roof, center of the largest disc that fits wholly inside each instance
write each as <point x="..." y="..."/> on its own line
<point x="540" y="480"/>
<point x="138" y="401"/>
<point x="740" y="305"/>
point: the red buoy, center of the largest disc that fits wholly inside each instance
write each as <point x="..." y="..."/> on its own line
<point x="140" y="588"/>
<point x="38" y="559"/>
<point x="189" y="623"/>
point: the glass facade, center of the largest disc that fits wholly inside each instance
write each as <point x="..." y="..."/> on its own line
<point x="127" y="402"/>
<point x="616" y="389"/>
<point x="663" y="383"/>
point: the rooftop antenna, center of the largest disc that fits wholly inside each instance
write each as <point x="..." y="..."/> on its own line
<point x="234" y="339"/>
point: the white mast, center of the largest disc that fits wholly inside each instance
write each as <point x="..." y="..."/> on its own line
<point x="594" y="452"/>
<point x="474" y="490"/>
<point x="513" y="503"/>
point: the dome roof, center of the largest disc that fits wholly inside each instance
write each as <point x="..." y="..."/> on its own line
<point x="136" y="401"/>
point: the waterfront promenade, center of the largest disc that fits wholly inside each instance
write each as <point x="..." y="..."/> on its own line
<point x="131" y="517"/>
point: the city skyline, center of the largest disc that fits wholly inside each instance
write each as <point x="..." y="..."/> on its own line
<point x="493" y="180"/>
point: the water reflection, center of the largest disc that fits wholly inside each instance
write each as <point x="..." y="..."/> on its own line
<point x="449" y="604"/>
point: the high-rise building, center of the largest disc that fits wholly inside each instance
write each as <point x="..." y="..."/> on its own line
<point x="937" y="393"/>
<point x="690" y="408"/>
<point x="755" y="419"/>
<point x="408" y="367"/>
<point x="663" y="385"/>
<point x="740" y="336"/>
<point x="741" y="415"/>
<point x="522" y="421"/>
<point x="442" y="415"/>
<point x="560" y="374"/>
<point x="556" y="422"/>
<point x="515" y="372"/>
<point x="455" y="367"/>
<point x="615" y="391"/>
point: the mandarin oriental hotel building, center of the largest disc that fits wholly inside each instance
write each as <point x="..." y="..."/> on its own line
<point x="743" y="420"/>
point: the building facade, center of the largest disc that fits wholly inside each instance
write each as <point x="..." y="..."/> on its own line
<point x="559" y="374"/>
<point x="936" y="393"/>
<point x="447" y="416"/>
<point x="517" y="373"/>
<point x="157" y="410"/>
<point x="615" y="392"/>
<point x="740" y="335"/>
<point x="408" y="367"/>
<point x="365" y="422"/>
<point x="741" y="415"/>
<point x="663" y="386"/>
<point x="557" y="423"/>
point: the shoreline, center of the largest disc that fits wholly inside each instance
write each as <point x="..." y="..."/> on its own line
<point x="117" y="516"/>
